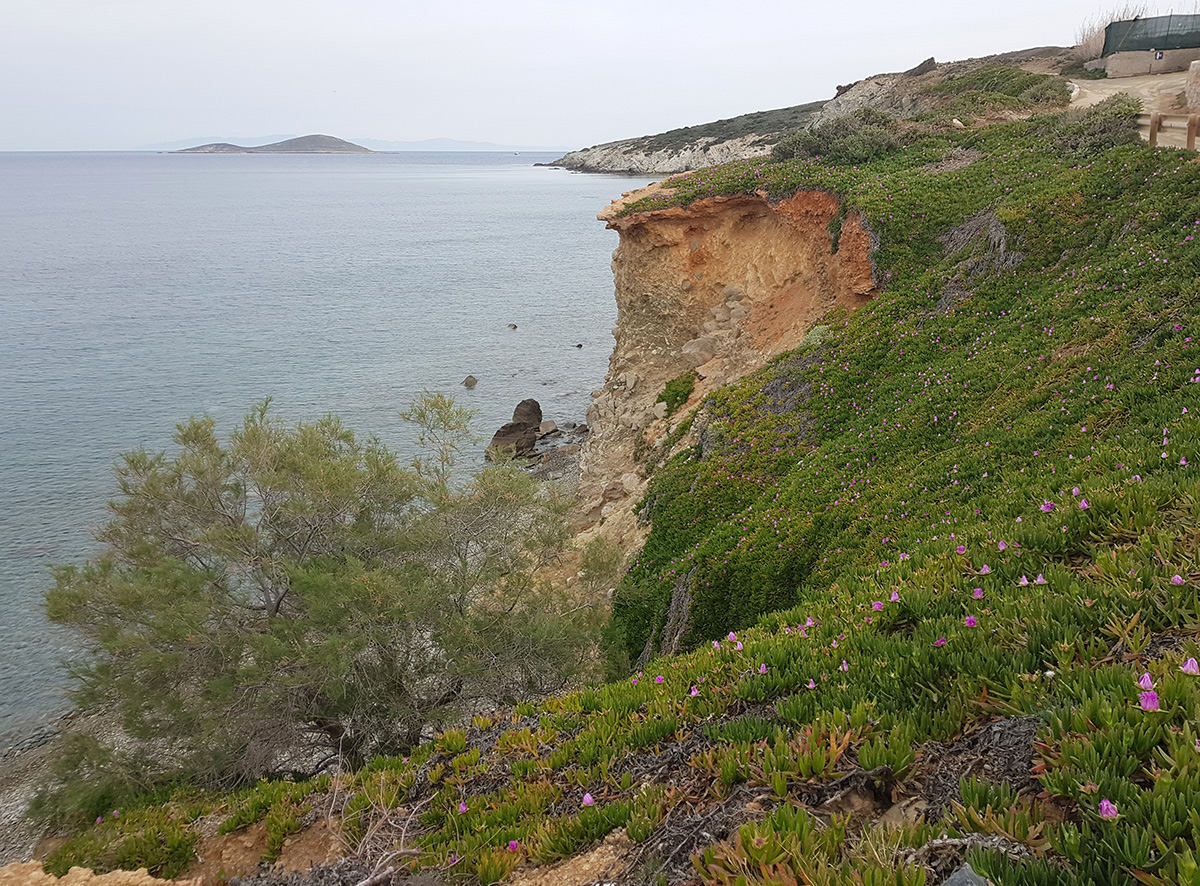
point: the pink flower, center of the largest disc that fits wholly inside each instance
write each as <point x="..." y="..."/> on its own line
<point x="693" y="692"/>
<point x="716" y="644"/>
<point x="877" y="605"/>
<point x="513" y="845"/>
<point x="1148" y="700"/>
<point x="1040" y="580"/>
<point x="1108" y="809"/>
<point x="658" y="679"/>
<point x="811" y="684"/>
<point x="1145" y="681"/>
<point x="732" y="638"/>
<point x="1183" y="460"/>
<point x="739" y="645"/>
<point x="970" y="621"/>
<point x="588" y="801"/>
<point x="808" y="622"/>
<point x="1075" y="491"/>
<point x="1047" y="506"/>
<point x="895" y="598"/>
<point x="116" y="813"/>
<point x="985" y="569"/>
<point x="844" y="666"/>
<point x="1190" y="667"/>
<point x="1083" y="504"/>
<point x="462" y="806"/>
<point x="977" y="593"/>
<point x="1002" y="546"/>
<point x="1176" y="579"/>
<point x="962" y="549"/>
<point x="762" y="668"/>
<point x="1022" y="581"/>
<point x="940" y="641"/>
<point x="99" y="819"/>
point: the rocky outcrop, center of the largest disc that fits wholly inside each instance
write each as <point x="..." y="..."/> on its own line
<point x="692" y="147"/>
<point x="1192" y="90"/>
<point x="719" y="288"/>
<point x="629" y="157"/>
<point x="519" y="436"/>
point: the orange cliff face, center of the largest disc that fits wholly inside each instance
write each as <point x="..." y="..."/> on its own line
<point x="720" y="287"/>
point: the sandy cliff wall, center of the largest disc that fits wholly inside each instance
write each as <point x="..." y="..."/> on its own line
<point x="719" y="287"/>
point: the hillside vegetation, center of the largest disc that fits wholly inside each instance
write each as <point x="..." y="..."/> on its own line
<point x="937" y="568"/>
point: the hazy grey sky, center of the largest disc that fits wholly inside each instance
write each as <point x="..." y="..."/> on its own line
<point x="112" y="74"/>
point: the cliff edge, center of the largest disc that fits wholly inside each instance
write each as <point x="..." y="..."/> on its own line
<point x="718" y="287"/>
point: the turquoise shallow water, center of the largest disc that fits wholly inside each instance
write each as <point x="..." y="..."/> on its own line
<point x="137" y="289"/>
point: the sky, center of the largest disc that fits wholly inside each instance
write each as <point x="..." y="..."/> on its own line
<point x="126" y="74"/>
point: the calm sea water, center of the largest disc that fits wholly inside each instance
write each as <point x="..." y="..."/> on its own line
<point x="138" y="289"/>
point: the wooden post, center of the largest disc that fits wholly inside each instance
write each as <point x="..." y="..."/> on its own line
<point x="1155" y="123"/>
<point x="1193" y="125"/>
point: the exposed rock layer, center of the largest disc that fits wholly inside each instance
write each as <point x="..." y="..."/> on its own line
<point x="719" y="287"/>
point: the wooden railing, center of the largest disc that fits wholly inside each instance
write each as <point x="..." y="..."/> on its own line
<point x="1156" y="123"/>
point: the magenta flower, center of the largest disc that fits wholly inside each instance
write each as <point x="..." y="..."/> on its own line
<point x="1002" y="546"/>
<point x="808" y="622"/>
<point x="99" y="819"/>
<point x="462" y="806"/>
<point x="940" y="641"/>
<point x="1148" y="700"/>
<point x="116" y="813"/>
<point x="1176" y="579"/>
<point x="1108" y="809"/>
<point x="985" y="569"/>
<point x="1022" y="581"/>
<point x="513" y="845"/>
<point x="693" y="692"/>
<point x="1083" y="504"/>
<point x="811" y="684"/>
<point x="716" y="644"/>
<point x="877" y="605"/>
<point x="895" y="598"/>
<point x="844" y="666"/>
<point x="739" y="645"/>
<point x="588" y="801"/>
<point x="1040" y="580"/>
<point x="1183" y="460"/>
<point x="977" y="593"/>
<point x="658" y="679"/>
<point x="732" y="638"/>
<point x="1145" y="681"/>
<point x="1047" y="506"/>
<point x="1075" y="491"/>
<point x="962" y="549"/>
<point x="1190" y="667"/>
<point x="970" y="621"/>
<point x="762" y="668"/>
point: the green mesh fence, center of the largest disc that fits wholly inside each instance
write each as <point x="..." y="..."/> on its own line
<point x="1159" y="32"/>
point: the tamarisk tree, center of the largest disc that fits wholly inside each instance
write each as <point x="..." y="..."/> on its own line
<point x="294" y="596"/>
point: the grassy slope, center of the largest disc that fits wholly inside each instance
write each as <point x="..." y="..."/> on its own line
<point x="976" y="505"/>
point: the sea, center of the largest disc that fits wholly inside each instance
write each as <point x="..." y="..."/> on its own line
<point x="138" y="289"/>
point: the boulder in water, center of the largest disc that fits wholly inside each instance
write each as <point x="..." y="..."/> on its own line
<point x="528" y="412"/>
<point x="469" y="382"/>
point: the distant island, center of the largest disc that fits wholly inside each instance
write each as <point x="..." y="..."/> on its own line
<point x="305" y="144"/>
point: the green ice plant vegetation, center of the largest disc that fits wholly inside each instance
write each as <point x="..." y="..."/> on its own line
<point x="979" y="513"/>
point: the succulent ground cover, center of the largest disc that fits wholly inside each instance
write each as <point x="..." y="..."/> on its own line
<point x="947" y="551"/>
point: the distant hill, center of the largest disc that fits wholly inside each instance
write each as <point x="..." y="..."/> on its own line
<point x="305" y="144"/>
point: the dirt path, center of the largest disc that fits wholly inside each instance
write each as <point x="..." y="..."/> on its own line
<point x="1158" y="92"/>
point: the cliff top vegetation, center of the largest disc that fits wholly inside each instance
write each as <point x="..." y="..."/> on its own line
<point x="936" y="571"/>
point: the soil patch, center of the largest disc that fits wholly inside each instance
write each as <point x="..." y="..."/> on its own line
<point x="1001" y="751"/>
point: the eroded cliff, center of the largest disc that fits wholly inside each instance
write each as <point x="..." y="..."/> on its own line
<point x="719" y="287"/>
